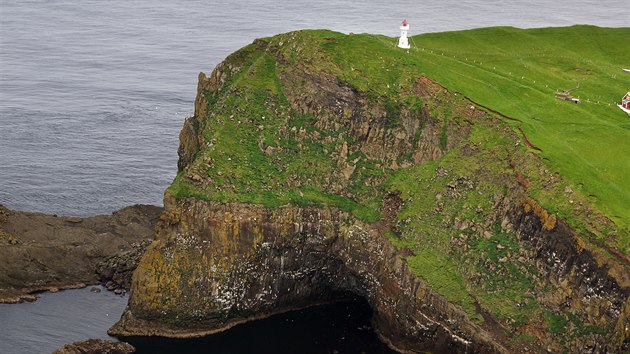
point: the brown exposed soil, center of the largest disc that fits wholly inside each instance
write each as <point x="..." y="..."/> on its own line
<point x="527" y="142"/>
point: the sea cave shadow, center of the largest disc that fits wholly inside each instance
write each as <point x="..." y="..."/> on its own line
<point x="340" y="327"/>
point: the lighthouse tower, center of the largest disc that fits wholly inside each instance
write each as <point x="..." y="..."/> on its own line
<point x="403" y="42"/>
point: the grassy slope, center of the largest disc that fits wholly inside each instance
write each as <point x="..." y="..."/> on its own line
<point x="513" y="71"/>
<point x="249" y="112"/>
<point x="460" y="263"/>
<point x="517" y="72"/>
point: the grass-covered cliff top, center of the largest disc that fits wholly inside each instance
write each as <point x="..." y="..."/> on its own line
<point x="513" y="71"/>
<point x="517" y="72"/>
<point x="451" y="126"/>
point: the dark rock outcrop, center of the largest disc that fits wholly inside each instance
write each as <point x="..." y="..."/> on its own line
<point x="44" y="252"/>
<point x="115" y="271"/>
<point x="582" y="281"/>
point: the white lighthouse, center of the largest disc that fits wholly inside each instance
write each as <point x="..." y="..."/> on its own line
<point x="403" y="42"/>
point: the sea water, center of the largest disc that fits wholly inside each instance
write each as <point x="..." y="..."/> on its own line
<point x="93" y="93"/>
<point x="71" y="315"/>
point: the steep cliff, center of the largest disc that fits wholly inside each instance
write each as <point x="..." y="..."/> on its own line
<point x="308" y="173"/>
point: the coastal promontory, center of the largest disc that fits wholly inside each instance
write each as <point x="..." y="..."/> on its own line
<point x="446" y="184"/>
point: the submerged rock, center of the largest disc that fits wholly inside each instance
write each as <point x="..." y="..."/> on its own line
<point x="96" y="346"/>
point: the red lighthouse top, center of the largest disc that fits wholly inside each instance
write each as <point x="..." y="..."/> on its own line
<point x="404" y="23"/>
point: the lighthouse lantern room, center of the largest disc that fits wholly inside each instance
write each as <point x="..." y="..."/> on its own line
<point x="403" y="42"/>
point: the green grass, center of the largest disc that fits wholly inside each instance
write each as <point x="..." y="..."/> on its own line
<point x="440" y="272"/>
<point x="258" y="150"/>
<point x="465" y="265"/>
<point x="513" y="71"/>
<point x="517" y="72"/>
<point x="556" y="323"/>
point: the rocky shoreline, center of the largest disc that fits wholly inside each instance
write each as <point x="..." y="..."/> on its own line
<point x="49" y="253"/>
<point x="115" y="272"/>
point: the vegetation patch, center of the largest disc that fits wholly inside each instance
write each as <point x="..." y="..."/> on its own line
<point x="585" y="143"/>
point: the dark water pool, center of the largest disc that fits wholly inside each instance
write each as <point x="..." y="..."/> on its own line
<point x="337" y="328"/>
<point x="60" y="318"/>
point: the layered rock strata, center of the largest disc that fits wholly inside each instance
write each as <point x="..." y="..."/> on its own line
<point x="579" y="279"/>
<point x="213" y="266"/>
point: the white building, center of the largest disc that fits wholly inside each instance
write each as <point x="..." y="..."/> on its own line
<point x="403" y="42"/>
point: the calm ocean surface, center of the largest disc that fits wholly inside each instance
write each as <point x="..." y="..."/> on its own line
<point x="93" y="94"/>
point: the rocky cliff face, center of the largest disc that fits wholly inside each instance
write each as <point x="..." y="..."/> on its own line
<point x="298" y="185"/>
<point x="217" y="265"/>
<point x="575" y="279"/>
